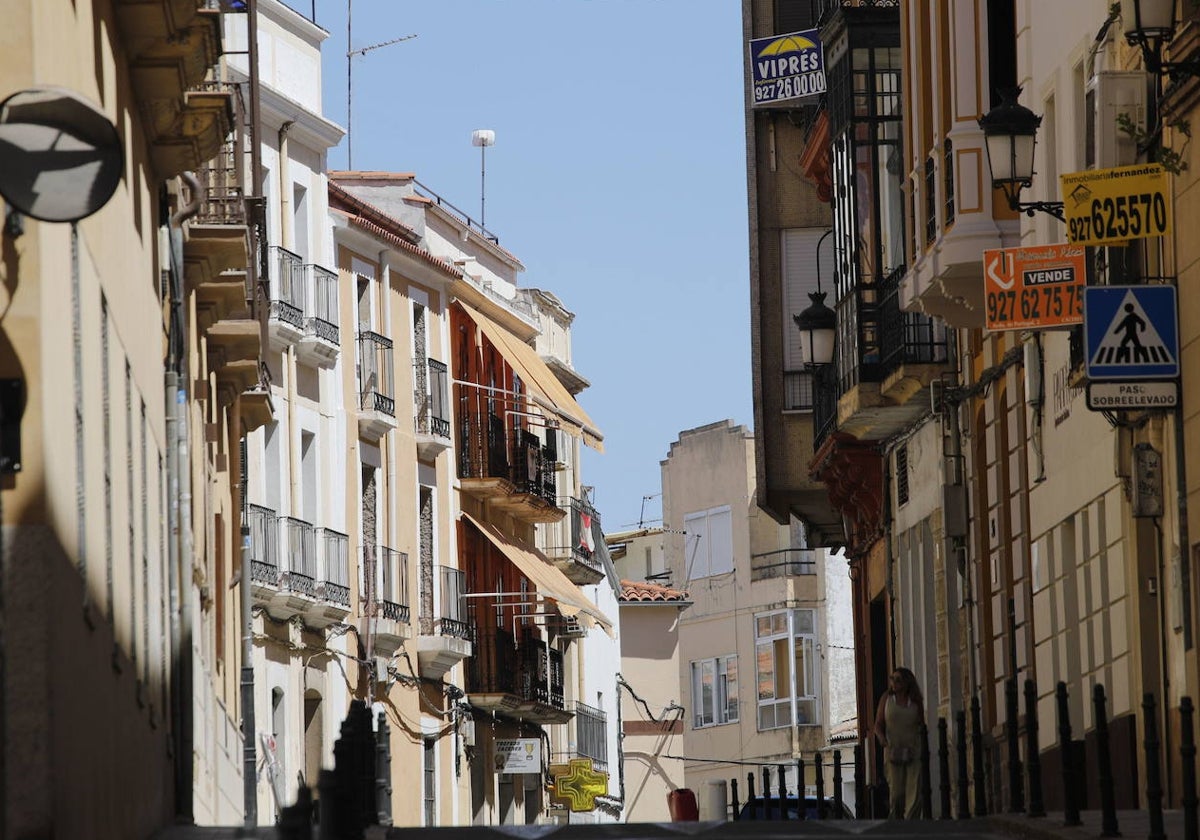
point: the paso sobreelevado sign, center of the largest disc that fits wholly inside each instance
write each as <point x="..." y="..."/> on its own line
<point x="787" y="66"/>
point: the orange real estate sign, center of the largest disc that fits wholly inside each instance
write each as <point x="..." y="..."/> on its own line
<point x="1034" y="288"/>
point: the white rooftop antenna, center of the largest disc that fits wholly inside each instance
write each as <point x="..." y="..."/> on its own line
<point x="482" y="137"/>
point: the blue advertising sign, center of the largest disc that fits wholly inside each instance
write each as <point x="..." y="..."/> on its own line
<point x="787" y="66"/>
<point x="1131" y="332"/>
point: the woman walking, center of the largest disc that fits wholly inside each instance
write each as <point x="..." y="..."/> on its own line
<point x="897" y="729"/>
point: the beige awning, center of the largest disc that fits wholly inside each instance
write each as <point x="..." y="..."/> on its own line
<point x="545" y="388"/>
<point x="550" y="582"/>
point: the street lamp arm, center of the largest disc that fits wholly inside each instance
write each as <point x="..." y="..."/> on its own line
<point x="1053" y="208"/>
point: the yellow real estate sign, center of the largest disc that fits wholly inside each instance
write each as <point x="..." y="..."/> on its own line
<point x="1113" y="206"/>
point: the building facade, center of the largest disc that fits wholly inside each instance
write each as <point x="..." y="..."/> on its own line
<point x="133" y="337"/>
<point x="997" y="529"/>
<point x="754" y="650"/>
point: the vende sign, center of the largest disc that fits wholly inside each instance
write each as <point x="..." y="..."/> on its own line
<point x="1034" y="288"/>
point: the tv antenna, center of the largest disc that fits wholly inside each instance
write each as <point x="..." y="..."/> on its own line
<point x="350" y="54"/>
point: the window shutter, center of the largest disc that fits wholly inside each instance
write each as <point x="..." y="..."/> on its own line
<point x="695" y="546"/>
<point x="720" y="536"/>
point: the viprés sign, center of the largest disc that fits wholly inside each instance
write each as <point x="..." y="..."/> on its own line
<point x="787" y="66"/>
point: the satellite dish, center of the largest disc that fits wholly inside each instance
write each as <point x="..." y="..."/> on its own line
<point x="60" y="157"/>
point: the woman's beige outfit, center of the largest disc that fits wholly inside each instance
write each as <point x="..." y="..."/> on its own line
<point x="902" y="759"/>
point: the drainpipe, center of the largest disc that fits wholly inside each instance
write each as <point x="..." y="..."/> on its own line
<point x="179" y="546"/>
<point x="246" y="698"/>
<point x="286" y="233"/>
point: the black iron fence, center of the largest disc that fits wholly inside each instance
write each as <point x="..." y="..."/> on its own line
<point x="980" y="774"/>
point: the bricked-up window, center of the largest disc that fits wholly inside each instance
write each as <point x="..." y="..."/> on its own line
<point x="793" y="15"/>
<point x="902" y="475"/>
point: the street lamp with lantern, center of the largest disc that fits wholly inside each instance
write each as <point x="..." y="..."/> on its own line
<point x="1149" y="24"/>
<point x="817" y="323"/>
<point x="1010" y="134"/>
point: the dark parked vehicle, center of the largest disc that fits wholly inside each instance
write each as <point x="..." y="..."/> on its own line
<point x="757" y="809"/>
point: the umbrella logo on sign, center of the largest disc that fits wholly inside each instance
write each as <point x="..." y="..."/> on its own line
<point x="787" y="44"/>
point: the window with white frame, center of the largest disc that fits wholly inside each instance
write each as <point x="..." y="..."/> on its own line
<point x="708" y="542"/>
<point x="785" y="647"/>
<point x="714" y="691"/>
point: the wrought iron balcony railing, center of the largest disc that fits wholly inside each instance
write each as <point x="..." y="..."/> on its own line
<point x="908" y="337"/>
<point x="375" y="382"/>
<point x="528" y="669"/>
<point x="323" y="322"/>
<point x="531" y="471"/>
<point x="493" y="667"/>
<point x="287" y="286"/>
<point x="825" y="402"/>
<point x="221" y="178"/>
<point x="824" y="9"/>
<point x="783" y="563"/>
<point x="489" y="450"/>
<point x="336" y="587"/>
<point x="384" y="578"/>
<point x="264" y="545"/>
<point x="591" y="734"/>
<point x="452" y="610"/>
<point x="301" y="556"/>
<point x="432" y="398"/>
<point x="540" y="671"/>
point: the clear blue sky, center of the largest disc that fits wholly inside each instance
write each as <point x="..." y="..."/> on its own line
<point x="618" y="178"/>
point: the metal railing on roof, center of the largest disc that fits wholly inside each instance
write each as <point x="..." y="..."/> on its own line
<point x="461" y="215"/>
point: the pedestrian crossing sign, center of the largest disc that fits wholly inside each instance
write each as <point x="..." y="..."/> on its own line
<point x="1131" y="332"/>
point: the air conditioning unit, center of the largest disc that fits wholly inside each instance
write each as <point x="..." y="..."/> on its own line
<point x="1113" y="97"/>
<point x="568" y="627"/>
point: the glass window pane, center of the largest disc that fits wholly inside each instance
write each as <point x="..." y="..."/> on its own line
<point x="762" y="626"/>
<point x="806" y="712"/>
<point x="765" y="658"/>
<point x="779" y="623"/>
<point x="731" y="689"/>
<point x="806" y="682"/>
<point x="804" y="620"/>
<point x="783" y="675"/>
